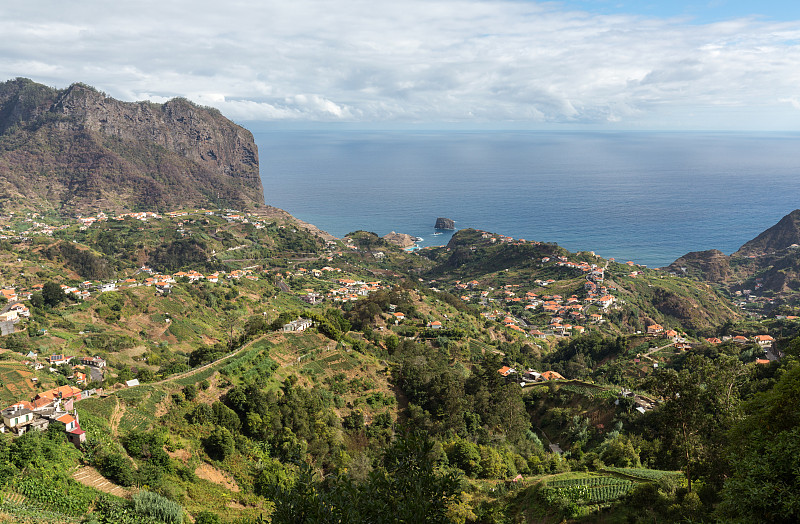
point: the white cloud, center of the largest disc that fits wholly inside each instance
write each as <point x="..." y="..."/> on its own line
<point x="470" y="61"/>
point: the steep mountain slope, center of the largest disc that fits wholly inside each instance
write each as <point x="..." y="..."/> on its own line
<point x="78" y="150"/>
<point x="712" y="265"/>
<point x="769" y="262"/>
<point x="780" y="236"/>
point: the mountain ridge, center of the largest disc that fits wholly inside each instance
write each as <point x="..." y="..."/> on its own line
<point x="77" y="149"/>
<point x="769" y="262"/>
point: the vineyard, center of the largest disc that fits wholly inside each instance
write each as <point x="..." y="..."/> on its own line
<point x="581" y="389"/>
<point x="140" y="404"/>
<point x="590" y="489"/>
<point x="592" y="481"/>
<point x="24" y="514"/>
<point x="253" y="362"/>
<point x="337" y="361"/>
<point x="642" y="474"/>
<point x="477" y="348"/>
<point x="101" y="407"/>
<point x="57" y="493"/>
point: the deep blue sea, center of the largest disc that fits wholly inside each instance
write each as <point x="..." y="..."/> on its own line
<point x="642" y="196"/>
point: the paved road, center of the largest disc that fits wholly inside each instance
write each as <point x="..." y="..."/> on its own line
<point x="283" y="287"/>
<point x="657" y="349"/>
<point x="8" y="327"/>
<point x="9" y="306"/>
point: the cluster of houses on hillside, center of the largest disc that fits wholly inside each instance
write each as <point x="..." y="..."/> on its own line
<point x="55" y="406"/>
<point x="78" y="365"/>
<point x="567" y="315"/>
<point x="529" y="376"/>
<point x="32" y="228"/>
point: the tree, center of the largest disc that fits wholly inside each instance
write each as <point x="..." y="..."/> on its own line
<point x="52" y="294"/>
<point x="190" y="392"/>
<point x="701" y="400"/>
<point x="408" y="488"/>
<point x="118" y="469"/>
<point x="763" y="449"/>
<point x="219" y="444"/>
<point x="207" y="517"/>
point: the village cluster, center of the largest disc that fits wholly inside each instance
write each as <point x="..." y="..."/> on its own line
<point x="52" y="407"/>
<point x="566" y="314"/>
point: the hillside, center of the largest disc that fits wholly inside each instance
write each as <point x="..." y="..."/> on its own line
<point x="643" y="296"/>
<point x="779" y="237"/>
<point x="76" y="150"/>
<point x="412" y="373"/>
<point x="217" y="366"/>
<point x="767" y="267"/>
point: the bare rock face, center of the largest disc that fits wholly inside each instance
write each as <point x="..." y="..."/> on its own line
<point x="444" y="223"/>
<point x="400" y="239"/>
<point x="79" y="149"/>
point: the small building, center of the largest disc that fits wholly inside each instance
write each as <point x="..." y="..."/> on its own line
<point x="16" y="417"/>
<point x="9" y="316"/>
<point x="57" y="360"/>
<point x="552" y="375"/>
<point x="69" y="421"/>
<point x="531" y="376"/>
<point x="76" y="437"/>
<point x="95" y="362"/>
<point x="301" y="324"/>
<point x="311" y="298"/>
<point x="506" y="371"/>
<point x="764" y="340"/>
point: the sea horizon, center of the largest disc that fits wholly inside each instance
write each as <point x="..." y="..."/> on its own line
<point x="649" y="197"/>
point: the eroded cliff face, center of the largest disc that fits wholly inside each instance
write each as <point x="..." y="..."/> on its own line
<point x="79" y="149"/>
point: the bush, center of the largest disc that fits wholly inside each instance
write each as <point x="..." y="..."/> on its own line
<point x="206" y="517"/>
<point x="220" y="443"/>
<point x="154" y="505"/>
<point x="117" y="468"/>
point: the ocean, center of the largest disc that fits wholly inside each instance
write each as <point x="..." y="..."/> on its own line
<point x="649" y="197"/>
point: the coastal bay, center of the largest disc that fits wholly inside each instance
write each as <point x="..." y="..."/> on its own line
<point x="647" y="197"/>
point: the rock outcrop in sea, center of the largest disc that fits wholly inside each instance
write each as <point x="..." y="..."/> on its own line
<point x="444" y="223"/>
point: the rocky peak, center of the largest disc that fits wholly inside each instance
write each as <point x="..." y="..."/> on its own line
<point x="88" y="149"/>
<point x="780" y="236"/>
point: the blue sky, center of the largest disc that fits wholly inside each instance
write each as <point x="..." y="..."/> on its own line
<point x="694" y="12"/>
<point x="470" y="64"/>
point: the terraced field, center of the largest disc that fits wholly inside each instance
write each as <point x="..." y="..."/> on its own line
<point x="16" y="381"/>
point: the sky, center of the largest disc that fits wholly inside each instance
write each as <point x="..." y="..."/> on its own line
<point x="472" y="64"/>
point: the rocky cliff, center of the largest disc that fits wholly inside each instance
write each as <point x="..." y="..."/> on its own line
<point x="400" y="239"/>
<point x="444" y="223"/>
<point x="77" y="150"/>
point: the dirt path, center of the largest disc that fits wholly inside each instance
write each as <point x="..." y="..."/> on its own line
<point x="116" y="416"/>
<point x="650" y="352"/>
<point x="204" y="366"/>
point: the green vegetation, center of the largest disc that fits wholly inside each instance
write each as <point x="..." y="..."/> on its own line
<point x="389" y="406"/>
